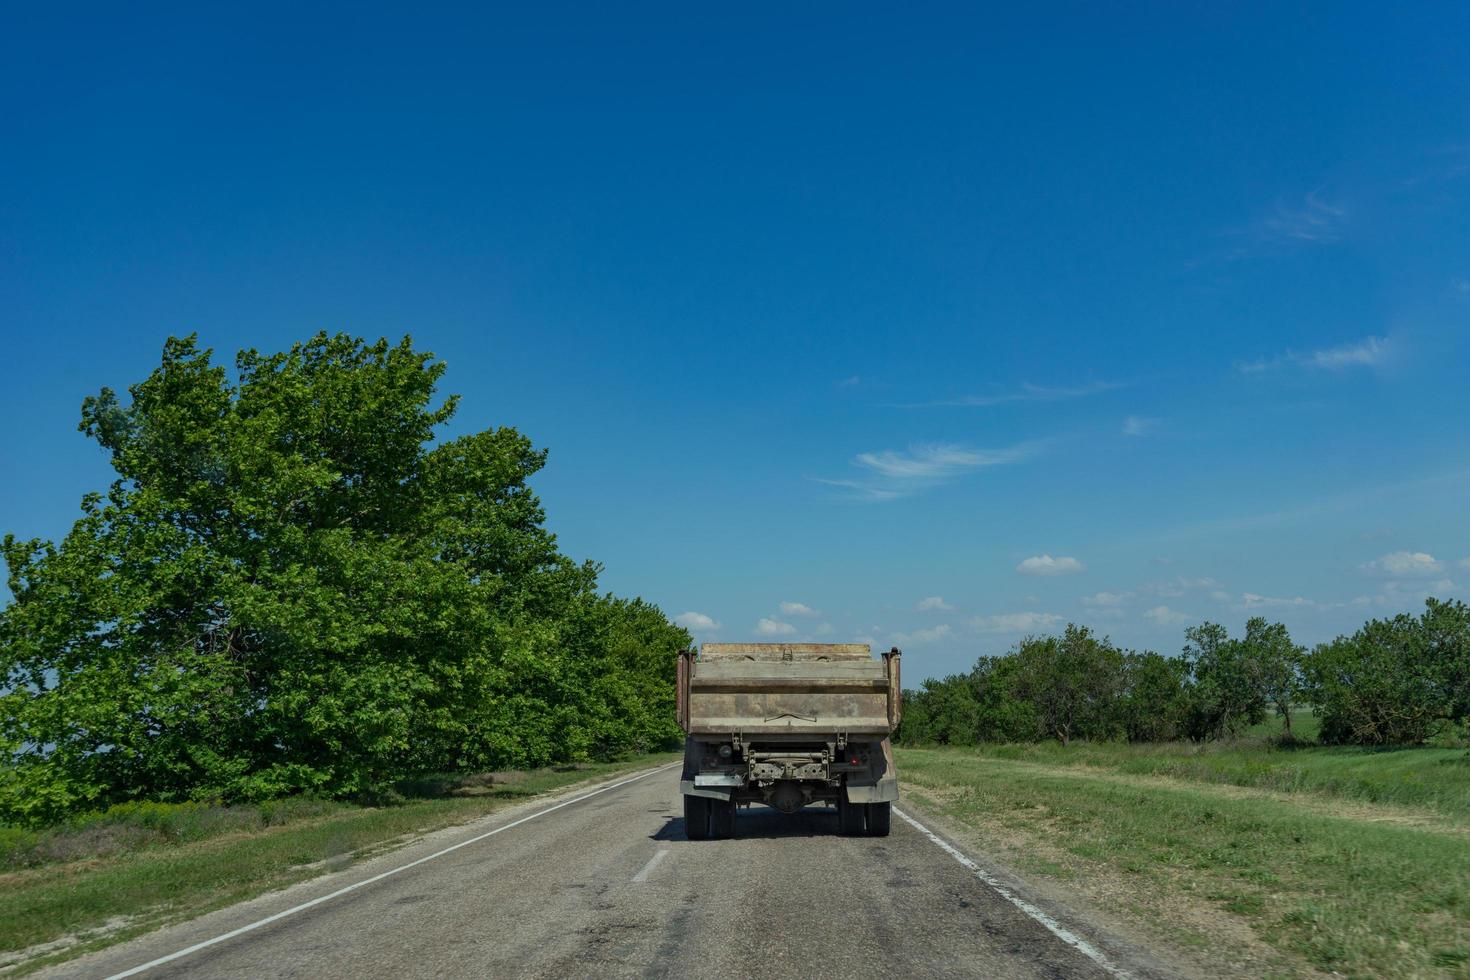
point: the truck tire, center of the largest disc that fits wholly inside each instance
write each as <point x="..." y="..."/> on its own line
<point x="696" y="817"/>
<point x="721" y="819"/>
<point x="880" y="815"/>
<point x="851" y="817"/>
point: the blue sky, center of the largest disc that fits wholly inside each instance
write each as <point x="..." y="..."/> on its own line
<point x="926" y="325"/>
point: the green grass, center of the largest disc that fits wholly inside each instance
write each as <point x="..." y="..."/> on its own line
<point x="1305" y="726"/>
<point x="1436" y="779"/>
<point x="110" y="876"/>
<point x="1307" y="869"/>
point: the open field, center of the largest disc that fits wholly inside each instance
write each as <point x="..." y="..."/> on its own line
<point x="1249" y="860"/>
<point x="105" y="878"/>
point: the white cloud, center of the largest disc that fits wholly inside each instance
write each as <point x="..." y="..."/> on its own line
<point x="851" y="381"/>
<point x="1314" y="221"/>
<point x="1407" y="595"/>
<point x="1251" y="600"/>
<point x="923" y="636"/>
<point x="1420" y="589"/>
<point x="1368" y="352"/>
<point x="1465" y="562"/>
<point x="798" y="609"/>
<point x="1102" y="599"/>
<point x="1177" y="586"/>
<point x="1164" y="616"/>
<point x="1020" y="622"/>
<point x="696" y="621"/>
<point x="825" y="629"/>
<point x="934" y="461"/>
<point x="1137" y="425"/>
<point x="890" y="474"/>
<point x="1047" y="565"/>
<point x="1406" y="564"/>
<point x="933" y="603"/>
<point x="1111" y="612"/>
<point x="1026" y="393"/>
<point x="774" y="627"/>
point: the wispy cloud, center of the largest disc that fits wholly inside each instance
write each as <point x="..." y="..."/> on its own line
<point x="1308" y="221"/>
<point x="774" y="627"/>
<point x="851" y="381"/>
<point x="798" y="609"/>
<point x="924" y="636"/>
<point x="1106" y="599"/>
<point x="697" y="621"/>
<point x="1047" y="565"/>
<point x="1314" y="220"/>
<point x="1177" y="586"/>
<point x="1025" y="393"/>
<point x="935" y="462"/>
<point x="1368" y="352"/>
<point x="1250" y="600"/>
<point x="1406" y="564"/>
<point x="1316" y="508"/>
<point x="934" y="603"/>
<point x="1137" y="425"/>
<point x="1408" y="594"/>
<point x="890" y="474"/>
<point x="1016" y="623"/>
<point x="1164" y="616"/>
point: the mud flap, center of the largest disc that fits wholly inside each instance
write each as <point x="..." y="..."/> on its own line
<point x="880" y="783"/>
<point x="692" y="755"/>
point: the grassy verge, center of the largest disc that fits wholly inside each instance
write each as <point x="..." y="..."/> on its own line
<point x="1425" y="778"/>
<point x="1221" y="856"/>
<point x="112" y="876"/>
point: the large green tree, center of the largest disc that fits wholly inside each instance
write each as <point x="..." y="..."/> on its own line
<point x="1229" y="693"/>
<point x="1072" y="682"/>
<point x="1272" y="665"/>
<point x="1395" y="681"/>
<point x="291" y="587"/>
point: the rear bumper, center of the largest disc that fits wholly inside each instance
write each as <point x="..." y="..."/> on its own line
<point x="874" y="782"/>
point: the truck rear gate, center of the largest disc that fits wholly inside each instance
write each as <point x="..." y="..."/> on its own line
<point x="788" y="724"/>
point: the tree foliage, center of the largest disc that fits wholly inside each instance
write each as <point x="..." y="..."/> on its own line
<point x="290" y="587"/>
<point x="1079" y="685"/>
<point x="1396" y="680"/>
<point x="1072" y="681"/>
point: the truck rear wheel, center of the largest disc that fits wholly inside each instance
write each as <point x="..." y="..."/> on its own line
<point x="721" y="819"/>
<point x="880" y="815"/>
<point x="851" y="817"/>
<point x="696" y="817"/>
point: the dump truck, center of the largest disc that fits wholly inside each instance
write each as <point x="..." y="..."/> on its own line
<point x="788" y="725"/>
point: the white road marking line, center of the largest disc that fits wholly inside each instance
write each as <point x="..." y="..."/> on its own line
<point x="378" y="877"/>
<point x="648" y="868"/>
<point x="1056" y="928"/>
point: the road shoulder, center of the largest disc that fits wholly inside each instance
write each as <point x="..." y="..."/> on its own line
<point x="128" y="943"/>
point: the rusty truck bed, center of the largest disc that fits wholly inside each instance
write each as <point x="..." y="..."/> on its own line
<point x="786" y="690"/>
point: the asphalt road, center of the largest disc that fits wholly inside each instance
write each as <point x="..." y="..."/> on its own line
<point x="608" y="886"/>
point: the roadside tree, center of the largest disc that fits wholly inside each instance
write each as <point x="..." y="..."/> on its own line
<point x="289" y="588"/>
